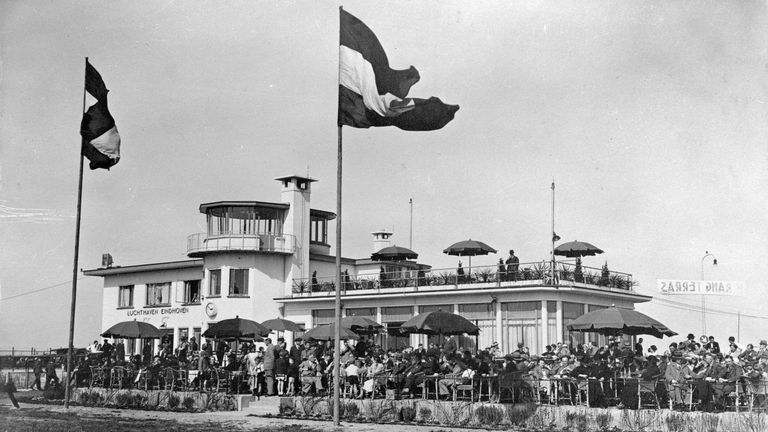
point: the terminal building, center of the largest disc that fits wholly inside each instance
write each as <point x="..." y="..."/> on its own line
<point x="262" y="260"/>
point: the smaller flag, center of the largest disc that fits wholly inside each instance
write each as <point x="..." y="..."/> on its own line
<point x="101" y="142"/>
<point x="555" y="237"/>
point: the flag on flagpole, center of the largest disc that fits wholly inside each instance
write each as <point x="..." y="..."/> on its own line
<point x="101" y="142"/>
<point x="373" y="94"/>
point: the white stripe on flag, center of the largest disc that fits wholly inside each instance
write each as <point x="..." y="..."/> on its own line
<point x="89" y="101"/>
<point x="108" y="143"/>
<point x="356" y="74"/>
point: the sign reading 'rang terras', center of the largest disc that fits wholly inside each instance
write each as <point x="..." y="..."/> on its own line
<point x="699" y="287"/>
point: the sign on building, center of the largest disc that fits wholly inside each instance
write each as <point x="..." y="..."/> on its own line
<point x="699" y="287"/>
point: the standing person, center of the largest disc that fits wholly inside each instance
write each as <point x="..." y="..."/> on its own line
<point x="9" y="388"/>
<point x="221" y="348"/>
<point x="513" y="263"/>
<point x="119" y="351"/>
<point x="252" y="363"/>
<point x="502" y="271"/>
<point x="50" y="374"/>
<point x="106" y="349"/>
<point x="38" y="371"/>
<point x="639" y="348"/>
<point x="269" y="366"/>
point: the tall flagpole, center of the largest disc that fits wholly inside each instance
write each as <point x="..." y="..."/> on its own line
<point x="337" y="306"/>
<point x="553" y="232"/>
<point x="74" y="265"/>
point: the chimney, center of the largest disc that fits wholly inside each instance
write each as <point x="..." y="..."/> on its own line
<point x="381" y="239"/>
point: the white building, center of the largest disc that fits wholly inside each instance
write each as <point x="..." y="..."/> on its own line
<point x="262" y="260"/>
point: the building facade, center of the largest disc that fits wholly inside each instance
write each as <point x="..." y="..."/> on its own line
<point x="262" y="260"/>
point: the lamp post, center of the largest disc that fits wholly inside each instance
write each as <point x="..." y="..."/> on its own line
<point x="703" y="296"/>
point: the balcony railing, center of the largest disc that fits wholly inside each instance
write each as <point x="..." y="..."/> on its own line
<point x="201" y="243"/>
<point x="538" y="273"/>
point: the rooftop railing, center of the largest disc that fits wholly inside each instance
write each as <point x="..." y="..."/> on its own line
<point x="532" y="273"/>
<point x="263" y="242"/>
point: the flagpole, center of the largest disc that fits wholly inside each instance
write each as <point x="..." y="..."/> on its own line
<point x="337" y="305"/>
<point x="74" y="267"/>
<point x="553" y="232"/>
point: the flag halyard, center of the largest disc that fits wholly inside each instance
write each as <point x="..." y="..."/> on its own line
<point x="373" y="94"/>
<point x="101" y="141"/>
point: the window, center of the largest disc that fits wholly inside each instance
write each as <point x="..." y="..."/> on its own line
<point x="318" y="230"/>
<point x="392" y="318"/>
<point x="362" y="312"/>
<point x="158" y="294"/>
<point x="552" y="323"/>
<point x="482" y="315"/>
<point x="192" y="291"/>
<point x="521" y="323"/>
<point x="125" y="296"/>
<point x="571" y="311"/>
<point x="238" y="282"/>
<point x="322" y="316"/>
<point x="214" y="286"/>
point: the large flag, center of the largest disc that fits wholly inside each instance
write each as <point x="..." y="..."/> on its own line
<point x="372" y="94"/>
<point x="101" y="142"/>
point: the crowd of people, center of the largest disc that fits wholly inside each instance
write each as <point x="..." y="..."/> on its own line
<point x="687" y="373"/>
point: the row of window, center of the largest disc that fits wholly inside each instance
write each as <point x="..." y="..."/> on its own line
<point x="159" y="294"/>
<point x="521" y="322"/>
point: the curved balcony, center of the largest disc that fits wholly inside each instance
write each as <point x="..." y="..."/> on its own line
<point x="200" y="244"/>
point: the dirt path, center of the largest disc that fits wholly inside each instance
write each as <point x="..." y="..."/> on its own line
<point x="36" y="417"/>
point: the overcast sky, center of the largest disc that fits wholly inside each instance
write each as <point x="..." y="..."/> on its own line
<point x="650" y="117"/>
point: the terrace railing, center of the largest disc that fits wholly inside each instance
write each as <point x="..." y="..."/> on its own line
<point x="263" y="242"/>
<point x="477" y="277"/>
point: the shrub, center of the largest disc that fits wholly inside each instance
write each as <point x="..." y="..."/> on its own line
<point x="83" y="398"/>
<point x="123" y="400"/>
<point x="54" y="393"/>
<point x="576" y="421"/>
<point x="453" y="414"/>
<point x="518" y="414"/>
<point x="676" y="422"/>
<point x="489" y="415"/>
<point x="173" y="401"/>
<point x="139" y="401"/>
<point x="425" y="414"/>
<point x="188" y="403"/>
<point x="287" y="407"/>
<point x="351" y="410"/>
<point x="407" y="414"/>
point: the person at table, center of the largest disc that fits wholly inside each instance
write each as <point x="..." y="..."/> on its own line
<point x="730" y="374"/>
<point x="705" y="374"/>
<point x="712" y="346"/>
<point x="629" y="390"/>
<point x="414" y="375"/>
<point x="452" y="378"/>
<point x="310" y="376"/>
<point x="582" y="372"/>
<point x="674" y="378"/>
<point x="375" y="372"/>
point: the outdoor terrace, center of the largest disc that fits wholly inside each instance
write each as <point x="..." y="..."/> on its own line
<point x="567" y="274"/>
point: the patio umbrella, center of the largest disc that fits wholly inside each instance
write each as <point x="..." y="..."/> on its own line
<point x="326" y="332"/>
<point x="439" y="323"/>
<point x="236" y="328"/>
<point x="469" y="248"/>
<point x="280" y="324"/>
<point x="361" y="325"/>
<point x="615" y="321"/>
<point x="394" y="253"/>
<point x="132" y="330"/>
<point x="577" y="249"/>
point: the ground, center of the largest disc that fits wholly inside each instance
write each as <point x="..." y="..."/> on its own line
<point x="38" y="417"/>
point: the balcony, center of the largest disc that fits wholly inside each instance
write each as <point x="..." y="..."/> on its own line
<point x="529" y="274"/>
<point x="201" y="243"/>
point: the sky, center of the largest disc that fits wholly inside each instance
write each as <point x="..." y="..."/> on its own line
<point x="650" y="117"/>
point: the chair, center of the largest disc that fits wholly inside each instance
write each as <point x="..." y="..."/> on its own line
<point x="98" y="376"/>
<point x="647" y="388"/>
<point x="462" y="389"/>
<point x="116" y="377"/>
<point x="582" y="388"/>
<point x="756" y="394"/>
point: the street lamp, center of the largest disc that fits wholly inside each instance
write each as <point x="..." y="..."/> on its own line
<point x="703" y="296"/>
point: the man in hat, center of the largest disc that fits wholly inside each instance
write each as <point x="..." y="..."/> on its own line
<point x="513" y="263"/>
<point x="763" y="348"/>
<point x="494" y="350"/>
